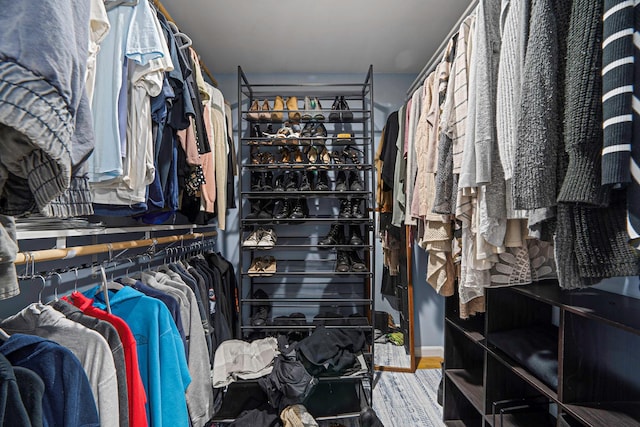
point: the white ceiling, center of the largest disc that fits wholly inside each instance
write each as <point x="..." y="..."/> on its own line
<point x="320" y="36"/>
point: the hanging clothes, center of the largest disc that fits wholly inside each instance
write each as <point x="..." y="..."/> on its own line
<point x="67" y="399"/>
<point x="161" y="358"/>
<point x="46" y="123"/>
<point x="87" y="345"/>
<point x="110" y="334"/>
<point x="137" y="397"/>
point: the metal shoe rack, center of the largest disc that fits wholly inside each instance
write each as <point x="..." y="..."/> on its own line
<point x="307" y="278"/>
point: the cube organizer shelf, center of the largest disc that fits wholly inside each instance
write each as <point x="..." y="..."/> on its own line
<point x="542" y="356"/>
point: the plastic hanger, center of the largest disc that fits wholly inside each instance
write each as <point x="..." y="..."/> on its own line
<point x="112" y="4"/>
<point x="44" y="285"/>
<point x="75" y="283"/>
<point x="187" y="42"/>
<point x="105" y="290"/>
<point x="55" y="288"/>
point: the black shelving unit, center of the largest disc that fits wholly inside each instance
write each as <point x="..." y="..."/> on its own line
<point x="586" y="375"/>
<point x="305" y="278"/>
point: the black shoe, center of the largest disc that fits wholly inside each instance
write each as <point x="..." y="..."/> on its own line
<point x="307" y="131"/>
<point x="299" y="210"/>
<point x="355" y="236"/>
<point x="334" y="116"/>
<point x="260" y="313"/>
<point x="334" y="237"/>
<point x="256" y="132"/>
<point x="341" y="181"/>
<point x="343" y="263"/>
<point x="319" y="131"/>
<point x="267" y="181"/>
<point x="355" y="184"/>
<point x="305" y="183"/>
<point x="278" y="184"/>
<point x="265" y="210"/>
<point x="322" y="183"/>
<point x="345" y="208"/>
<point x="355" y="209"/>
<point x="256" y="181"/>
<point x="256" y="209"/>
<point x="356" y="262"/>
<point x="291" y="181"/>
<point x="345" y="114"/>
<point x="282" y="209"/>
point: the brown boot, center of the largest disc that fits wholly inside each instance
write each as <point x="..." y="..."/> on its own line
<point x="278" y="107"/>
<point x="292" y="106"/>
<point x="264" y="112"/>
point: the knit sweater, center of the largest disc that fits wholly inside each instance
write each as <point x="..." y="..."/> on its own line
<point x="539" y="122"/>
<point x="621" y="126"/>
<point x="591" y="241"/>
<point x="583" y="108"/>
<point x="514" y="21"/>
<point x="487" y="44"/>
<point x="617" y="90"/>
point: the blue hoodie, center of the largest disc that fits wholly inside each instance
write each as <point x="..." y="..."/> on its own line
<point x="68" y="399"/>
<point x="161" y="356"/>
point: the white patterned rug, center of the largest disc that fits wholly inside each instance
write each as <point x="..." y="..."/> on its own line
<point x="408" y="400"/>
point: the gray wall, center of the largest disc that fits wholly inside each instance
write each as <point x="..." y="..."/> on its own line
<point x="389" y="95"/>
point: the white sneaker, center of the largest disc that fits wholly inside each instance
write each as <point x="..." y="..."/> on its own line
<point x="268" y="239"/>
<point x="254" y="238"/>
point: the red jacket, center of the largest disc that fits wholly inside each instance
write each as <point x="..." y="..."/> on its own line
<point x="135" y="388"/>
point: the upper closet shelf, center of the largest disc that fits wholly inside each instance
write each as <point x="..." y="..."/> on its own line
<point x="355" y="90"/>
<point x="101" y="230"/>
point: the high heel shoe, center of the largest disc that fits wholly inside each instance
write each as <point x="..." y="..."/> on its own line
<point x="256" y="132"/>
<point x="312" y="155"/>
<point x="317" y="111"/>
<point x="264" y="112"/>
<point x="345" y="114"/>
<point x="296" y="157"/>
<point x="254" y="111"/>
<point x="334" y="116"/>
<point x="255" y="155"/>
<point x="308" y="109"/>
<point x="268" y="159"/>
<point x="292" y="106"/>
<point x="278" y="108"/>
<point x="353" y="154"/>
<point x="319" y="131"/>
<point x="306" y="134"/>
<point x="285" y="155"/>
<point x="324" y="156"/>
<point x="337" y="157"/>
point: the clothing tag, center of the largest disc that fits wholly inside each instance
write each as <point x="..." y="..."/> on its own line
<point x="212" y="301"/>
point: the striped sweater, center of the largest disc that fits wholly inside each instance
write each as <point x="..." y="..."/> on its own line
<point x="621" y="106"/>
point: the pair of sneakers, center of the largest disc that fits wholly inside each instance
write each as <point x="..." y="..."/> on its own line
<point x="261" y="239"/>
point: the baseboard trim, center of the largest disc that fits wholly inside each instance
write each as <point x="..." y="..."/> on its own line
<point x="429" y="351"/>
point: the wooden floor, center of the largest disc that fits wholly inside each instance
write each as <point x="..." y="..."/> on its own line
<point x="429" y="362"/>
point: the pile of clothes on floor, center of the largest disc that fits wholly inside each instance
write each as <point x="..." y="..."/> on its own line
<point x="287" y="369"/>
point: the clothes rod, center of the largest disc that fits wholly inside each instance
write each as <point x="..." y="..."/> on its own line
<point x="166" y="14"/>
<point x="77" y="251"/>
<point x="437" y="55"/>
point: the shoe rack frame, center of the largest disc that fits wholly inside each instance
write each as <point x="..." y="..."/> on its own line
<point x="297" y="238"/>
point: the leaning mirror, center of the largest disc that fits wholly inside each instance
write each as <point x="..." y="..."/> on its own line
<point x="394" y="346"/>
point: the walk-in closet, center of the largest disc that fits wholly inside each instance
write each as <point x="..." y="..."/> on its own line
<point x="420" y="213"/>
